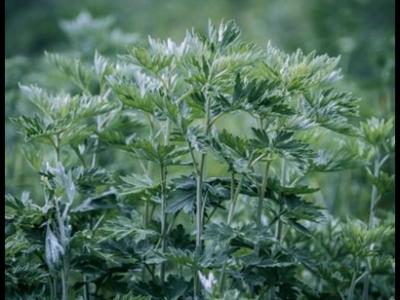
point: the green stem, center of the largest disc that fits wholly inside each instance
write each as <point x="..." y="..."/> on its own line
<point x="210" y="215"/>
<point x="198" y="226"/>
<point x="372" y="213"/>
<point x="279" y="225"/>
<point x="199" y="202"/>
<point x="233" y="201"/>
<point x="86" y="295"/>
<point x="64" y="282"/>
<point x="374" y="194"/>
<point x="351" y="289"/>
<point x="355" y="280"/>
<point x="57" y="148"/>
<point x="278" y="232"/>
<point x="152" y="209"/>
<point x="86" y="277"/>
<point x="172" y="223"/>
<point x="62" y="233"/>
<point x="53" y="287"/>
<point x="232" y="192"/>
<point x="150" y="271"/>
<point x="65" y="268"/>
<point x="146" y="216"/>
<point x="80" y="157"/>
<point x="215" y="119"/>
<point x="163" y="171"/>
<point x="96" y="143"/>
<point x="261" y="195"/>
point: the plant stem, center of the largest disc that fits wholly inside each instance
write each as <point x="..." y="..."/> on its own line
<point x="372" y="212"/>
<point x="93" y="163"/>
<point x="65" y="269"/>
<point x="199" y="202"/>
<point x="278" y="233"/>
<point x="172" y="223"/>
<point x="146" y="217"/>
<point x="198" y="231"/>
<point x="64" y="295"/>
<point x="163" y="175"/>
<point x="374" y="194"/>
<point x="355" y="280"/>
<point x="85" y="277"/>
<point x="351" y="289"/>
<point x="53" y="287"/>
<point x="57" y="148"/>
<point x="62" y="234"/>
<point x="261" y="197"/>
<point x="163" y="170"/>
<point x="234" y="200"/>
<point x="210" y="215"/>
<point x="234" y="197"/>
<point x="152" y="209"/>
<point x="150" y="271"/>
<point x="232" y="192"/>
<point x="80" y="157"/>
<point x="96" y="142"/>
<point x="279" y="225"/>
<point x="86" y="295"/>
<point x="146" y="214"/>
<point x="199" y="225"/>
<point x="262" y="193"/>
<point x="163" y="219"/>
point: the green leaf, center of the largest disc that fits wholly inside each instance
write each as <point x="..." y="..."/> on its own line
<point x="73" y="68"/>
<point x="377" y="131"/>
<point x="384" y="182"/>
<point x="218" y="232"/>
<point x="224" y="35"/>
<point x="332" y="110"/>
<point x="104" y="201"/>
<point x="180" y="257"/>
<point x="181" y="200"/>
<point x="183" y="195"/>
<point x="234" y="149"/>
<point x="150" y="60"/>
<point x="283" y="143"/>
<point x="35" y="128"/>
<point x="131" y="95"/>
<point x="122" y="227"/>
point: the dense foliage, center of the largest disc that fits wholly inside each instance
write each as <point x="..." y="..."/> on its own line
<point x="126" y="205"/>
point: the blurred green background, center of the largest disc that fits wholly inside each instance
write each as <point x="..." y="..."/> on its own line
<point x="361" y="31"/>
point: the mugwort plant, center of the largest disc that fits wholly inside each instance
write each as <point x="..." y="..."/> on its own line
<point x="184" y="171"/>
